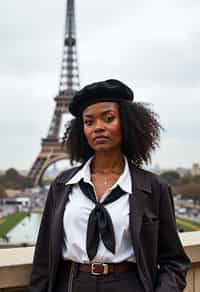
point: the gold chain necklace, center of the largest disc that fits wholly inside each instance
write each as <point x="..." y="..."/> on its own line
<point x="105" y="182"/>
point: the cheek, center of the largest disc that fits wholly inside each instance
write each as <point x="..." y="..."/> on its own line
<point x="116" y="130"/>
<point x="86" y="133"/>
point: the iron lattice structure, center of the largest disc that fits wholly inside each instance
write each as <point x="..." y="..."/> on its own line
<point x="51" y="146"/>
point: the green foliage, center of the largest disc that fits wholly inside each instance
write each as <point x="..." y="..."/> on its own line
<point x="183" y="228"/>
<point x="12" y="174"/>
<point x="10" y="221"/>
<point x="187" y="224"/>
<point x="190" y="179"/>
<point x="12" y="179"/>
<point x="171" y="176"/>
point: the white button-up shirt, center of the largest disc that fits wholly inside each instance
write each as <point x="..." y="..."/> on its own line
<point x="77" y="212"/>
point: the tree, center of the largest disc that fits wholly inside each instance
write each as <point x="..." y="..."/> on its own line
<point x="190" y="190"/>
<point x="190" y="179"/>
<point x="12" y="174"/>
<point x="12" y="179"/>
<point x="171" y="176"/>
<point x="2" y="192"/>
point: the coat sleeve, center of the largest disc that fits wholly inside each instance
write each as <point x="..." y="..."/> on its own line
<point x="39" y="276"/>
<point x="172" y="260"/>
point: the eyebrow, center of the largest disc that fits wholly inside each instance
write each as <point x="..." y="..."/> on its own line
<point x="102" y="113"/>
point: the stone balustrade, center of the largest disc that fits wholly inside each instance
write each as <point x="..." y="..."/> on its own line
<point x="16" y="263"/>
<point x="191" y="242"/>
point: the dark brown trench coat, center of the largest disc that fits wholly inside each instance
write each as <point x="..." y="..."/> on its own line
<point x="161" y="261"/>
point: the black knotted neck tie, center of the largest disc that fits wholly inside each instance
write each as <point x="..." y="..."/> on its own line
<point x="100" y="222"/>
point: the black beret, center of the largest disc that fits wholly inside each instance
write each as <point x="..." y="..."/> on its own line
<point x="108" y="90"/>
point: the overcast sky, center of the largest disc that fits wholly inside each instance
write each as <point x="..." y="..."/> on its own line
<point x="152" y="45"/>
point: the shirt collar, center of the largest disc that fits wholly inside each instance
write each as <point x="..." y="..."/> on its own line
<point x="83" y="173"/>
<point x="124" y="181"/>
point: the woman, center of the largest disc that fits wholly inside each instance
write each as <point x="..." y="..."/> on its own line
<point x="109" y="225"/>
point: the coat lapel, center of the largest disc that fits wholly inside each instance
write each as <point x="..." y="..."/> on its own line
<point x="57" y="231"/>
<point x="141" y="189"/>
<point x="62" y="193"/>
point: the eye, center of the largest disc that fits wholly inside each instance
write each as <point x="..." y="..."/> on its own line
<point x="109" y="119"/>
<point x="88" y="122"/>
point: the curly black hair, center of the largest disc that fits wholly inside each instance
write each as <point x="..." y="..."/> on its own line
<point x="140" y="134"/>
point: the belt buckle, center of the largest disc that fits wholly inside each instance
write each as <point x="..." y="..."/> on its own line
<point x="105" y="269"/>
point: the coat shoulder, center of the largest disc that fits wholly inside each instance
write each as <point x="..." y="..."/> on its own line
<point x="150" y="177"/>
<point x="66" y="175"/>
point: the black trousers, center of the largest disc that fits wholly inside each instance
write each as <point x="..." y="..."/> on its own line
<point x="121" y="282"/>
<point x="86" y="282"/>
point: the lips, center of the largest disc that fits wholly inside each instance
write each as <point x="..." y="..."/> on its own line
<point x="100" y="139"/>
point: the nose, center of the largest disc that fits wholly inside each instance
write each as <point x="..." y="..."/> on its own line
<point x="99" y="126"/>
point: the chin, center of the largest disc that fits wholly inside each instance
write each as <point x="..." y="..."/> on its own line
<point x="103" y="148"/>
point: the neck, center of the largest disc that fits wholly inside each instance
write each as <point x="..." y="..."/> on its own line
<point x="104" y="162"/>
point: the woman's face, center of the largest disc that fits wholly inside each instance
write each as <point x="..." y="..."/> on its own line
<point x="101" y="126"/>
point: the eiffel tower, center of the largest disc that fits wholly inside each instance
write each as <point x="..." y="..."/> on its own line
<point x="51" y="146"/>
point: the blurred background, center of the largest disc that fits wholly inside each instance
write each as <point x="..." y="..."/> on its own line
<point x="153" y="46"/>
